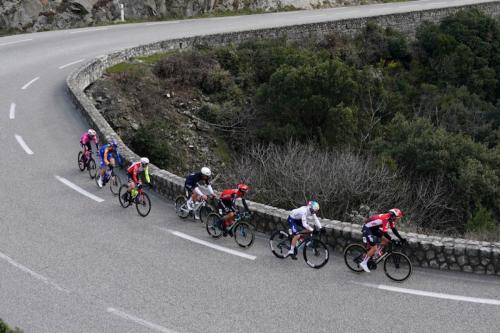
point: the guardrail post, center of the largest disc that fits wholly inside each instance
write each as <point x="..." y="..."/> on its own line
<point x="122" y="12"/>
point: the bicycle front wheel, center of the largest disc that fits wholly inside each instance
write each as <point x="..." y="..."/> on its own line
<point x="204" y="211"/>
<point x="143" y="204"/>
<point x="280" y="243"/>
<point x="91" y="166"/>
<point x="243" y="234"/>
<point x="81" y="163"/>
<point x="397" y="266"/>
<point x="181" y="208"/>
<point x="214" y="225"/>
<point x="316" y="253"/>
<point x="114" y="184"/>
<point x="123" y="196"/>
<point x="353" y="256"/>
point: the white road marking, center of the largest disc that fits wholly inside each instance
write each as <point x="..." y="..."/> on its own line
<point x="87" y="30"/>
<point x="79" y="189"/>
<point x="139" y="321"/>
<point x="12" y="113"/>
<point x="24" y="145"/>
<point x="30" y="83"/>
<point x="17" y="42"/>
<point x="30" y="272"/>
<point x="434" y="295"/>
<point x="162" y="23"/>
<point x="213" y="246"/>
<point x="71" y="63"/>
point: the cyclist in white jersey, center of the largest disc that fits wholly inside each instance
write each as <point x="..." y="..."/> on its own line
<point x="297" y="222"/>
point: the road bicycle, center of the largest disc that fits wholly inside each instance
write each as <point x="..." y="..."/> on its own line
<point x="86" y="161"/>
<point x="137" y="196"/>
<point x="397" y="266"/>
<point x="201" y="208"/>
<point x="240" y="230"/>
<point x="113" y="179"/>
<point x="315" y="252"/>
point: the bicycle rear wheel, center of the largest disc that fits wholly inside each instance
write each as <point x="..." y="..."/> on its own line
<point x="316" y="253"/>
<point x="397" y="266"/>
<point x="280" y="243"/>
<point x="181" y="207"/>
<point x="81" y="163"/>
<point x="204" y="211"/>
<point x="91" y="166"/>
<point x="353" y="256"/>
<point x="214" y="225"/>
<point x="124" y="202"/>
<point x="143" y="204"/>
<point x="114" y="184"/>
<point x="243" y="234"/>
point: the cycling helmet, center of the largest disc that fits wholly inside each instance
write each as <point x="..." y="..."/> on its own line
<point x="144" y="161"/>
<point x="206" y="171"/>
<point x="313" y="206"/>
<point x="396" y="213"/>
<point x="91" y="133"/>
<point x="243" y="188"/>
<point x="114" y="143"/>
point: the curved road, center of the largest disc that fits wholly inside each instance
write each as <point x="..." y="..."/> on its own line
<point x="69" y="263"/>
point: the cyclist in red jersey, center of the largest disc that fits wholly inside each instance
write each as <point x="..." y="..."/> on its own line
<point x="375" y="232"/>
<point x="133" y="172"/>
<point x="227" y="203"/>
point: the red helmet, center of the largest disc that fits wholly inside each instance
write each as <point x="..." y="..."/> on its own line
<point x="396" y="213"/>
<point x="243" y="188"/>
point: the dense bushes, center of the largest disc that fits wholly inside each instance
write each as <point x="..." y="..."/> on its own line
<point x="427" y="109"/>
<point x="6" y="329"/>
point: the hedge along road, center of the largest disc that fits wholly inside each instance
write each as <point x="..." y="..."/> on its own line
<point x="72" y="264"/>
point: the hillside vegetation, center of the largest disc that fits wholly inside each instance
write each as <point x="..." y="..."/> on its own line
<point x="377" y="120"/>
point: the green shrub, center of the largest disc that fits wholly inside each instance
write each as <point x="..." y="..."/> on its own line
<point x="6" y="329"/>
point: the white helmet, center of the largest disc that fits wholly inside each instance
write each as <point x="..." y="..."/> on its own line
<point x="206" y="172"/>
<point x="91" y="132"/>
<point x="144" y="160"/>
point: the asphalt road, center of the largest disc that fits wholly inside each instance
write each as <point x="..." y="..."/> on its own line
<point x="71" y="264"/>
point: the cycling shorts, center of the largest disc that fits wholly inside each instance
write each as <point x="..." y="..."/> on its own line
<point x="295" y="225"/>
<point x="371" y="236"/>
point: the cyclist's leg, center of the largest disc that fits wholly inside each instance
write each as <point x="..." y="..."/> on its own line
<point x="295" y="229"/>
<point x="370" y="239"/>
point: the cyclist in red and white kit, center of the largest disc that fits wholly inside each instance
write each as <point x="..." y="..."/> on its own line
<point x="133" y="173"/>
<point x="375" y="232"/>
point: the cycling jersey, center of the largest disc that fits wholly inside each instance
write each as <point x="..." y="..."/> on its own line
<point x="193" y="181"/>
<point x="381" y="221"/>
<point x="85" y="140"/>
<point x="228" y="200"/>
<point x="135" y="169"/>
<point x="300" y="215"/>
<point x="106" y="152"/>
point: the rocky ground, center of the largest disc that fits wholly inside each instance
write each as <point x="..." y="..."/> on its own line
<point x="159" y="114"/>
<point x="39" y="15"/>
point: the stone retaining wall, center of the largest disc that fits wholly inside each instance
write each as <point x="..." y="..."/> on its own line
<point x="425" y="251"/>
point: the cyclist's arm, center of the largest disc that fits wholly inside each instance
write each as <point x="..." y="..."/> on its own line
<point x="134" y="176"/>
<point x="198" y="191"/>
<point x="305" y="224"/>
<point x="244" y="202"/>
<point x="396" y="232"/>
<point x="106" y="152"/>
<point x="316" y="221"/>
<point x="210" y="189"/>
<point x="118" y="157"/>
<point x="146" y="175"/>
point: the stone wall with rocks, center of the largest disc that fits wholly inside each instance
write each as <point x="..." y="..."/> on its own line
<point x="425" y="251"/>
<point x="39" y="15"/>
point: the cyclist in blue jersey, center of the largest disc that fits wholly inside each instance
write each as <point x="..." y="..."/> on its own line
<point x="109" y="155"/>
